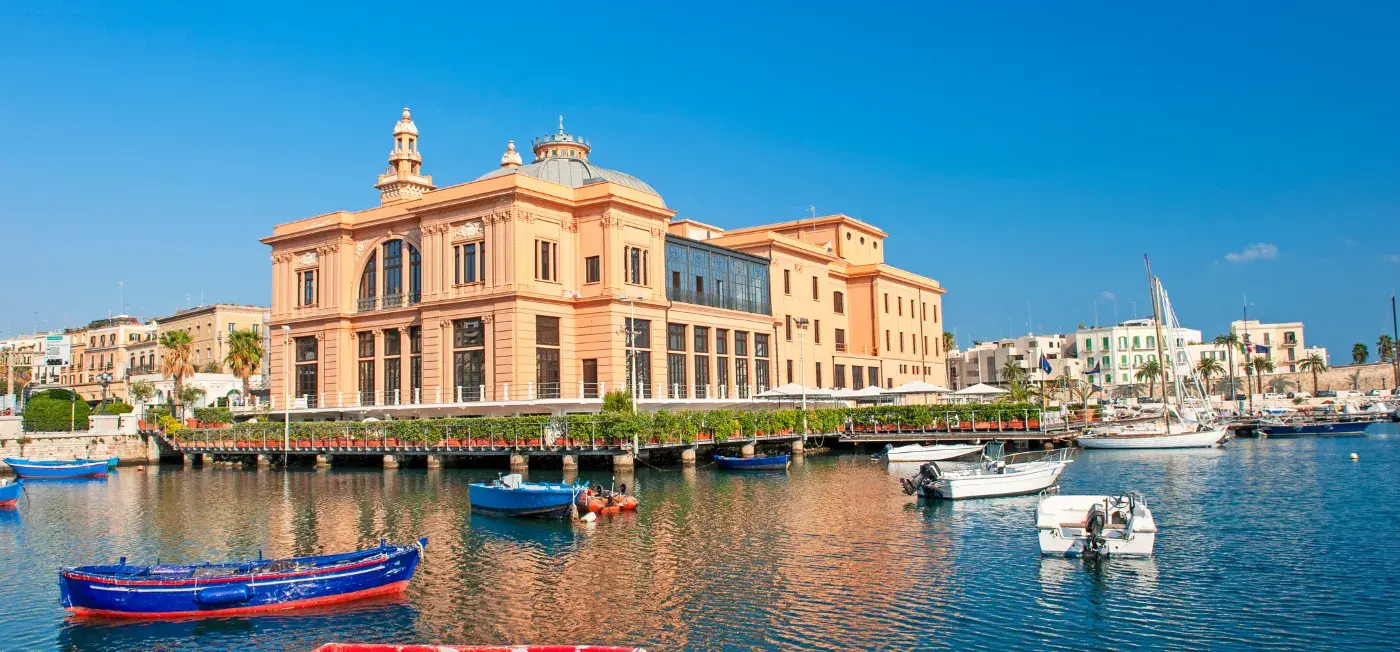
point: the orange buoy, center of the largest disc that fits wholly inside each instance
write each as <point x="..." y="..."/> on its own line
<point x="629" y="503"/>
<point x="595" y="505"/>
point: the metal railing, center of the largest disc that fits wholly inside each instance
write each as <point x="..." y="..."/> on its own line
<point x="366" y="304"/>
<point x="684" y="295"/>
<point x="502" y="393"/>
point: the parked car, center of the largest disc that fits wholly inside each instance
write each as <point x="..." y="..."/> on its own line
<point x="1326" y="393"/>
<point x="1377" y="393"/>
<point x="1348" y="393"/>
<point x="1299" y="395"/>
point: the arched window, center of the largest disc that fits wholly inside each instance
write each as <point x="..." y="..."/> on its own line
<point x="369" y="284"/>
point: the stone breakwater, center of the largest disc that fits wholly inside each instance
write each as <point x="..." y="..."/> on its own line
<point x="130" y="449"/>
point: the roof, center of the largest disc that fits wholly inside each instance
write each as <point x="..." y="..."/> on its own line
<point x="572" y="172"/>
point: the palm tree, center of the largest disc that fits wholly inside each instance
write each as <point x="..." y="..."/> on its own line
<point x="1012" y="372"/>
<point x="178" y="347"/>
<point x="1385" y="348"/>
<point x="1231" y="342"/>
<point x="245" y="352"/>
<point x="1359" y="353"/>
<point x="1261" y="365"/>
<point x="1208" y="368"/>
<point x="1150" y="372"/>
<point x="1314" y="362"/>
<point x="949" y="342"/>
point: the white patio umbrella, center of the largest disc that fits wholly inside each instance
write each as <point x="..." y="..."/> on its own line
<point x="978" y="392"/>
<point x="919" y="387"/>
<point x="793" y="390"/>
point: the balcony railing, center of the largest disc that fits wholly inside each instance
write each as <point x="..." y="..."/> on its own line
<point x="683" y="295"/>
<point x="392" y="301"/>
<point x="366" y="304"/>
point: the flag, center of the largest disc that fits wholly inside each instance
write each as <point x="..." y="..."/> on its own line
<point x="1095" y="370"/>
<point x="1261" y="349"/>
<point x="1044" y="363"/>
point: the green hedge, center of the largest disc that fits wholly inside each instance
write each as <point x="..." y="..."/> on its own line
<point x="116" y="407"/>
<point x="53" y="411"/>
<point x="665" y="427"/>
<point x="213" y="415"/>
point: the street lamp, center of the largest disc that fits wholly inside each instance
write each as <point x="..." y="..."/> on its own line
<point x="631" y="332"/>
<point x="286" y="392"/>
<point x="801" y="323"/>
<point x="103" y="380"/>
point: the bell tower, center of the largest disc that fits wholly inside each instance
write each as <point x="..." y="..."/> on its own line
<point x="404" y="180"/>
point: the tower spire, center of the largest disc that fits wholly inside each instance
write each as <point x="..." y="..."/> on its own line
<point x="404" y="180"/>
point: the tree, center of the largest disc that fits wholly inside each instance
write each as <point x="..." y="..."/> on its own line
<point x="142" y="391"/>
<point x="55" y="410"/>
<point x="190" y="394"/>
<point x="617" y="401"/>
<point x="949" y="342"/>
<point x="1012" y="372"/>
<point x="1280" y="385"/>
<point x="1208" y="368"/>
<point x="1385" y="348"/>
<point x="1230" y="342"/>
<point x="245" y="352"/>
<point x="177" y="349"/>
<point x="1359" y="353"/>
<point x="1314" y="362"/>
<point x="1262" y="365"/>
<point x="1150" y="372"/>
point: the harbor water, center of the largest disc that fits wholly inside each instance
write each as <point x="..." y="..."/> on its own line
<point x="1282" y="544"/>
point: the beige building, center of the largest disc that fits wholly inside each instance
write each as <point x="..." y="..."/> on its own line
<point x="118" y="346"/>
<point x="552" y="282"/>
<point x="209" y="327"/>
<point x="1284" y="341"/>
<point x="984" y="361"/>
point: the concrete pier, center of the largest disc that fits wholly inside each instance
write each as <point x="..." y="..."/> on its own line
<point x="623" y="462"/>
<point x="434" y="461"/>
<point x="263" y="461"/>
<point x="189" y="458"/>
<point x="391" y="461"/>
<point x="746" y="451"/>
<point x="570" y="463"/>
<point x="519" y="463"/>
<point x="323" y="461"/>
<point x="798" y="447"/>
<point x="688" y="457"/>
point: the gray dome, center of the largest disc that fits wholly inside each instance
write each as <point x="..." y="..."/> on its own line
<point x="572" y="172"/>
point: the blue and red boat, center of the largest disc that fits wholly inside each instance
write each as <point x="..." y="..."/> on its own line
<point x="59" y="468"/>
<point x="769" y="463"/>
<point x="512" y="496"/>
<point x="9" y="492"/>
<point x="237" y="588"/>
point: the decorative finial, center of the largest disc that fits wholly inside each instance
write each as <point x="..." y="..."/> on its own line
<point x="511" y="158"/>
<point x="561" y="125"/>
<point x="405" y="114"/>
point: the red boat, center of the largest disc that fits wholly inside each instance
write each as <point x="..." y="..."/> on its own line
<point x="375" y="647"/>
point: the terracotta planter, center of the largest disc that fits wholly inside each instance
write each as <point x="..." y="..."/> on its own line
<point x="454" y="442"/>
<point x="1016" y="425"/>
<point x="984" y="425"/>
<point x="303" y="443"/>
<point x="1035" y="423"/>
<point x="391" y="442"/>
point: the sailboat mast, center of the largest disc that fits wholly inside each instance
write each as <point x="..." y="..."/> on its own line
<point x="1154" y="286"/>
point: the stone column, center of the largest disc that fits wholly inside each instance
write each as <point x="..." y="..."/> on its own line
<point x="798" y="447"/>
<point x="746" y="451"/>
<point x="189" y="459"/>
<point x="391" y="461"/>
<point x="263" y="461"/>
<point x="434" y="461"/>
<point x="622" y="462"/>
<point x="323" y="461"/>
<point x="570" y="463"/>
<point x="519" y="463"/>
<point x="688" y="456"/>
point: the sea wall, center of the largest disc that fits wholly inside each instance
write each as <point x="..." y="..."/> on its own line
<point x="1365" y="376"/>
<point x="129" y="447"/>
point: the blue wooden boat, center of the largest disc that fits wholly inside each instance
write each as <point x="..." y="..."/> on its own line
<point x="9" y="492"/>
<point x="58" y="469"/>
<point x="234" y="588"/>
<point x="769" y="463"/>
<point x="1333" y="429"/>
<point x="511" y="496"/>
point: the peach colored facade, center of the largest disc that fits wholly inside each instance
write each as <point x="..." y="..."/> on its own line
<point x="519" y="286"/>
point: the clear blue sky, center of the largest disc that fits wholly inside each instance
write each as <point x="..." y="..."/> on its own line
<point x="1017" y="153"/>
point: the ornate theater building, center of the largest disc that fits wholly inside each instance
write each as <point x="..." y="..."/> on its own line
<point x="540" y="286"/>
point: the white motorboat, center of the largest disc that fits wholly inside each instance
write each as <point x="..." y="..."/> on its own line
<point x="1106" y="526"/>
<point x="1013" y="475"/>
<point x="1158" y="437"/>
<point x="934" y="453"/>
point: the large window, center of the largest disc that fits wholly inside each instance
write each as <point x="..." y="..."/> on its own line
<point x="307" y="385"/>
<point x="369" y="284"/>
<point x="590" y="378"/>
<point x="366" y="351"/>
<point x="874" y="380"/>
<point x="635" y="262"/>
<point x="838" y="302"/>
<point x="841" y="339"/>
<point x="306" y="281"/>
<point x="393" y="274"/>
<point x="675" y="337"/>
<point x="761" y="379"/>
<point x="702" y="376"/>
<point x="639" y="356"/>
<point x="838" y="379"/>
<point x="702" y="339"/>
<point x="722" y="377"/>
<point x="546" y="356"/>
<point x="546" y="260"/>
<point x="741" y="343"/>
<point x="393" y="370"/>
<point x="675" y="375"/>
<point x="722" y="341"/>
<point x="468" y="359"/>
<point x="760" y="345"/>
<point x="592" y="269"/>
<point x="392" y="283"/>
<point x="741" y="376"/>
<point x="469" y="263"/>
<point x="415" y="364"/>
<point x="703" y="274"/>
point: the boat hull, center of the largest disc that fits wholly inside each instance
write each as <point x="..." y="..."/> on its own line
<point x="90" y="594"/>
<point x="1031" y="481"/>
<point x="1061" y="522"/>
<point x="770" y="463"/>
<point x="86" y="469"/>
<point x="1315" y="430"/>
<point x="9" y="494"/>
<point x="937" y="453"/>
<point x="1199" y="439"/>
<point x="554" y="502"/>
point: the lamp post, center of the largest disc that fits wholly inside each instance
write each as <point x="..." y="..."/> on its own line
<point x="801" y="323"/>
<point x="286" y="392"/>
<point x="103" y="380"/>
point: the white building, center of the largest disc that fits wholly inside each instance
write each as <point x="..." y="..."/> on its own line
<point x="984" y="361"/>
<point x="215" y="386"/>
<point x="1113" y="355"/>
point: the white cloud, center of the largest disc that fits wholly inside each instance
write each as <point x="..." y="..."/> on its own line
<point x="1392" y="259"/>
<point x="1348" y="242"/>
<point x="1256" y="251"/>
<point x="1107" y="296"/>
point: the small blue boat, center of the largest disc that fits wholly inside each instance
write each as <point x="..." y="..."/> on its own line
<point x="511" y="496"/>
<point x="9" y="492"/>
<point x="58" y="469"/>
<point x="236" y="588"/>
<point x="769" y="463"/>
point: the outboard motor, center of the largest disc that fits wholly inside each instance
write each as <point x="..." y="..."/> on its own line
<point x="1094" y="540"/>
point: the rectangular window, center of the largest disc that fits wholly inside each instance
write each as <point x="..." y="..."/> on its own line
<point x="546" y="260"/>
<point x="590" y="378"/>
<point x="789" y="371"/>
<point x="415" y="363"/>
<point x="787" y="328"/>
<point x="546" y="372"/>
<point x="901" y="342"/>
<point x="815" y="295"/>
<point x="306" y="369"/>
<point x="721" y="341"/>
<point x="675" y="279"/>
<point x="634" y="261"/>
<point x="469" y="365"/>
<point x="741" y="343"/>
<point x="392" y="342"/>
<point x="702" y="339"/>
<point x="760" y="374"/>
<point x="838" y="378"/>
<point x="699" y="285"/>
<point x="887" y="303"/>
<point x="817" y="331"/>
<point x="639" y="363"/>
<point x="367" y="370"/>
<point x="592" y="269"/>
<point x="546" y="330"/>
<point x="760" y="345"/>
<point x="935" y="313"/>
<point x="787" y="282"/>
<point x="640" y="331"/>
<point x="841" y="339"/>
<point x="899" y="305"/>
<point x="874" y="380"/>
<point x="675" y="337"/>
<point x="722" y="377"/>
<point x="309" y="295"/>
<point x="366" y="341"/>
<point x="838" y="302"/>
<point x="819" y="375"/>
<point x="675" y="375"/>
<point x="857" y="380"/>
<point x="702" y="376"/>
<point x="456" y="264"/>
<point x="472" y="258"/>
<point x="468" y="333"/>
<point x="741" y="376"/>
<point x="887" y="340"/>
<point x="393" y="381"/>
<point x="923" y="311"/>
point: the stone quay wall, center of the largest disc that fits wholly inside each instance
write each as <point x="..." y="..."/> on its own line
<point x="99" y="443"/>
<point x="1367" y="377"/>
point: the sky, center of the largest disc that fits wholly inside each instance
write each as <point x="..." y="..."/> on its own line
<point x="1025" y="155"/>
